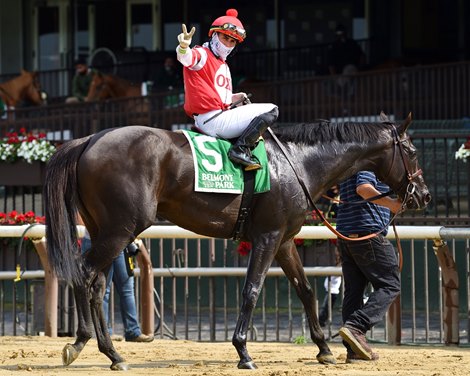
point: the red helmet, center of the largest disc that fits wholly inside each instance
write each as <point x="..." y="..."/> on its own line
<point x="229" y="25"/>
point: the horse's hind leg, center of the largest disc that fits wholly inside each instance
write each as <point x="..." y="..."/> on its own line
<point x="105" y="344"/>
<point x="289" y="260"/>
<point x="84" y="331"/>
<point x="89" y="311"/>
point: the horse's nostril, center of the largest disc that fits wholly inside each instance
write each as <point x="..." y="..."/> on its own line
<point x="427" y="198"/>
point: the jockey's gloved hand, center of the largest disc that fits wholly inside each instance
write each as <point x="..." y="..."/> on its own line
<point x="185" y="38"/>
<point x="240" y="99"/>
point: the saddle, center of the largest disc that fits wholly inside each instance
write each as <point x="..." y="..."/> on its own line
<point x="237" y="180"/>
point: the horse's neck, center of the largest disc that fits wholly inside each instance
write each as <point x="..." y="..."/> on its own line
<point x="123" y="88"/>
<point x="355" y="158"/>
<point x="10" y="93"/>
<point x="134" y="91"/>
<point x="335" y="163"/>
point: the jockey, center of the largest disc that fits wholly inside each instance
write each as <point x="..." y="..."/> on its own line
<point x="208" y="90"/>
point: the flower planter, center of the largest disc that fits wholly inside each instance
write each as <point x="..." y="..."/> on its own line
<point x="22" y="173"/>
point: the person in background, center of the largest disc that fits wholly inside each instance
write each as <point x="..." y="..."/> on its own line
<point x="332" y="284"/>
<point x="124" y="283"/>
<point x="169" y="77"/>
<point x="208" y="86"/>
<point x="371" y="261"/>
<point x="345" y="58"/>
<point x="344" y="55"/>
<point x="81" y="81"/>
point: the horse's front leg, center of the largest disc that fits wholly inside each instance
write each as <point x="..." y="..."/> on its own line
<point x="258" y="265"/>
<point x="289" y="260"/>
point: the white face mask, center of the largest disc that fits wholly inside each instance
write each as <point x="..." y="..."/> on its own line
<point x="219" y="48"/>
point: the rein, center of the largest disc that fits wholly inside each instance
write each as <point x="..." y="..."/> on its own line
<point x="409" y="191"/>
<point x="373" y="198"/>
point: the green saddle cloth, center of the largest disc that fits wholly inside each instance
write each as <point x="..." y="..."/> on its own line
<point x="215" y="172"/>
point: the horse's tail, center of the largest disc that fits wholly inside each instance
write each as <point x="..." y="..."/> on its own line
<point x="60" y="201"/>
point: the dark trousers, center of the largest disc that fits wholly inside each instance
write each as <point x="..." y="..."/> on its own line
<point x="375" y="261"/>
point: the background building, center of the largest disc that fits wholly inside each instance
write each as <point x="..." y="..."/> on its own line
<point x="49" y="34"/>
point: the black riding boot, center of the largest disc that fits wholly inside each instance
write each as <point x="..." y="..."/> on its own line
<point x="240" y="152"/>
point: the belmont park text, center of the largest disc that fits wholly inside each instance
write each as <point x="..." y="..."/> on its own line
<point x="218" y="180"/>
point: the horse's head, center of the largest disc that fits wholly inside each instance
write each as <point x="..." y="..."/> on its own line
<point x="402" y="173"/>
<point x="31" y="87"/>
<point x="99" y="88"/>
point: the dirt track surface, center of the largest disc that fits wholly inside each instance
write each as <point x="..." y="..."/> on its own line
<point x="42" y="356"/>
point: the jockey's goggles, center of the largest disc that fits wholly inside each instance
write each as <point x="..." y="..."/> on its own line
<point x="232" y="29"/>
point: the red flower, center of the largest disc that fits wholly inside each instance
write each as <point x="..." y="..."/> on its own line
<point x="467" y="144"/>
<point x="244" y="248"/>
<point x="15" y="218"/>
<point x="20" y="218"/>
<point x="298" y="242"/>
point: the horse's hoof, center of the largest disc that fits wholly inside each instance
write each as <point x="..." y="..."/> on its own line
<point x="121" y="366"/>
<point x="326" y="359"/>
<point x="247" y="365"/>
<point x="69" y="354"/>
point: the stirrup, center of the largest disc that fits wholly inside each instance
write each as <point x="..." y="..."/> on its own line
<point x="254" y="166"/>
<point x="243" y="159"/>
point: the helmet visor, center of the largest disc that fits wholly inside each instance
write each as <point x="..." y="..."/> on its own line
<point x="241" y="33"/>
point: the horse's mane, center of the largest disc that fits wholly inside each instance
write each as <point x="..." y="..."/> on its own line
<point x="323" y="131"/>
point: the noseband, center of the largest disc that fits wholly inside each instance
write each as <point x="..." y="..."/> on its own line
<point x="410" y="177"/>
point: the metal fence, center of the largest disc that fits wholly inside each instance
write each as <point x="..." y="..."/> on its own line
<point x="438" y="97"/>
<point x="198" y="285"/>
<point x="433" y="94"/>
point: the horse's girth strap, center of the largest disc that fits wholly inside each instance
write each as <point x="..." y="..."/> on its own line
<point x="245" y="205"/>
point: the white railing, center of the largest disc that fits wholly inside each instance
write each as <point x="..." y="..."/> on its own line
<point x="434" y="233"/>
<point x="307" y="232"/>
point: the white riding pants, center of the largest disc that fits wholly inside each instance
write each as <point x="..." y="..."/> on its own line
<point x="231" y="123"/>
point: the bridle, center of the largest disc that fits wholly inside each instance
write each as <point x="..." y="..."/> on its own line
<point x="410" y="176"/>
<point x="100" y="87"/>
<point x="36" y="86"/>
<point x="410" y="189"/>
<point x="99" y="90"/>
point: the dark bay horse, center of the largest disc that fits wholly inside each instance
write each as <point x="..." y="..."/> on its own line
<point x="25" y="87"/>
<point x="121" y="179"/>
<point x="105" y="86"/>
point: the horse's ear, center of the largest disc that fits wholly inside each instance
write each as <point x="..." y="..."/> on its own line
<point x="23" y="71"/>
<point x="384" y="118"/>
<point x="404" y="126"/>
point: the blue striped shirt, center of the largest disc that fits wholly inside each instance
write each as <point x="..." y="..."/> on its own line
<point x="364" y="218"/>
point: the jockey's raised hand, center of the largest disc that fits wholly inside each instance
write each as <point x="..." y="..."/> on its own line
<point x="208" y="89"/>
<point x="185" y="38"/>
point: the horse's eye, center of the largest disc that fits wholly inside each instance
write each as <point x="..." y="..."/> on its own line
<point x="411" y="151"/>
